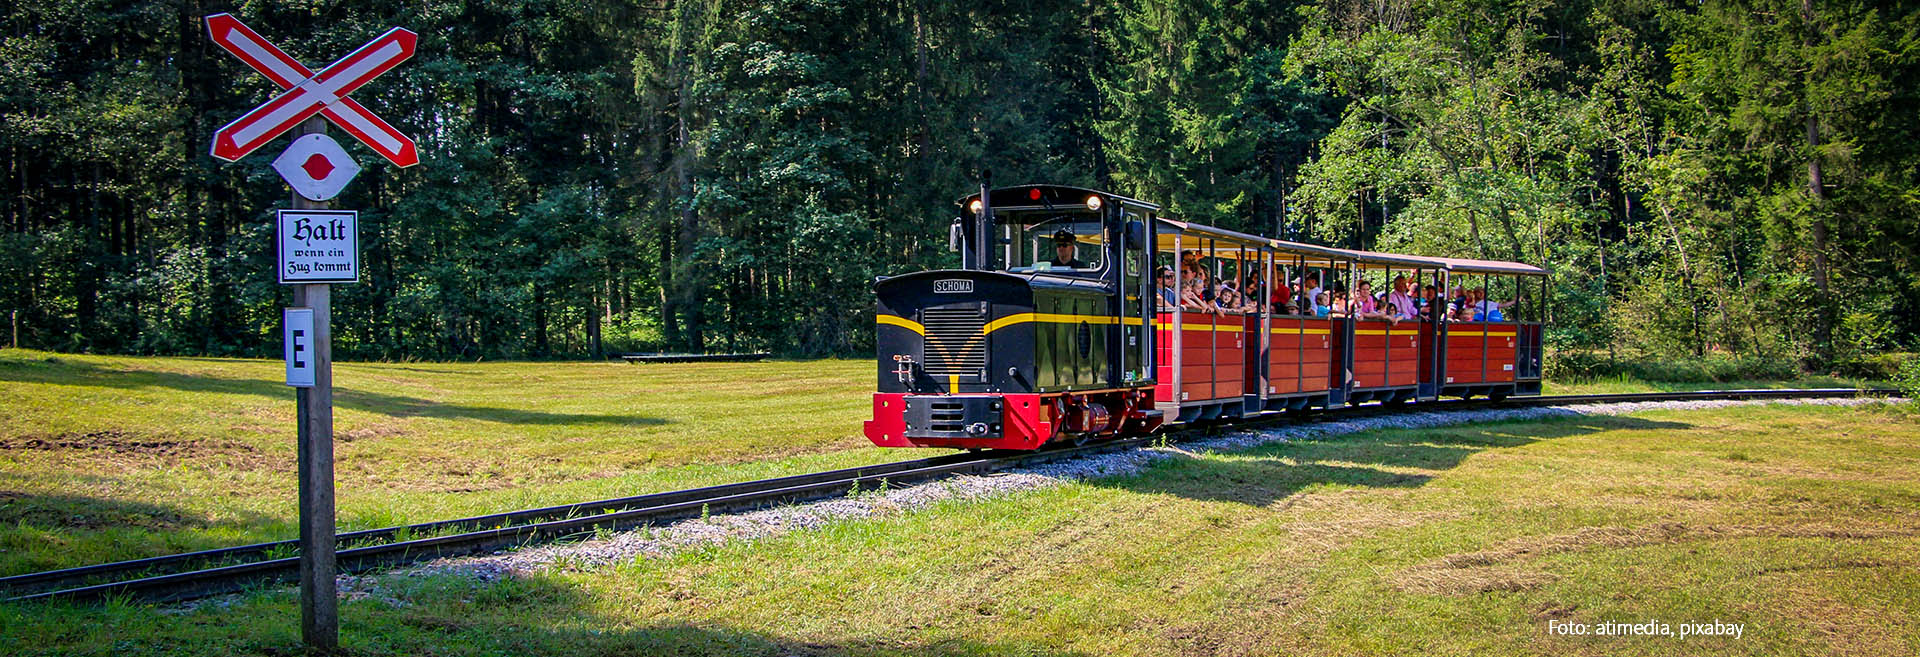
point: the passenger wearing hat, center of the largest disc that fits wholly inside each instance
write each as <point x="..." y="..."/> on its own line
<point x="1063" y="248"/>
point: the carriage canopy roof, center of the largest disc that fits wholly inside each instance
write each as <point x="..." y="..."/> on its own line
<point x="1491" y="266"/>
<point x="1384" y="260"/>
<point x="1237" y="245"/>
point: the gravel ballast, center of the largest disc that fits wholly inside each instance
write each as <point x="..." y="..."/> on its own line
<point x="720" y="529"/>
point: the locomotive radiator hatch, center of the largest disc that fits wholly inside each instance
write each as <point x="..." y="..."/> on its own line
<point x="943" y="332"/>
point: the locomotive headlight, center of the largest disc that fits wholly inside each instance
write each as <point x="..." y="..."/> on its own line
<point x="974" y="207"/>
<point x="1093" y="203"/>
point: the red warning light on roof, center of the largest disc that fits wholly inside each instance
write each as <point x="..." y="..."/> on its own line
<point x="1033" y="194"/>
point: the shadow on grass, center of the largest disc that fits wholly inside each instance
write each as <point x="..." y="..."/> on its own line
<point x="47" y="532"/>
<point x="513" y="615"/>
<point x="549" y="615"/>
<point x="82" y="512"/>
<point x="1262" y="476"/>
<point x="68" y="372"/>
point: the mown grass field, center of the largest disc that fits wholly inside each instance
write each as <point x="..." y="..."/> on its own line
<point x="1624" y="384"/>
<point x="1801" y="523"/>
<point x="105" y="458"/>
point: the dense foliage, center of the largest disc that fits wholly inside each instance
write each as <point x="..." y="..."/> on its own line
<point x="1737" y="177"/>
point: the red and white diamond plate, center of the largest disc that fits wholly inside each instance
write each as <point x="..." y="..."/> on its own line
<point x="316" y="167"/>
<point x="307" y="93"/>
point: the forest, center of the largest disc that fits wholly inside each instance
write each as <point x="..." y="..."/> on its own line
<point x="1702" y="177"/>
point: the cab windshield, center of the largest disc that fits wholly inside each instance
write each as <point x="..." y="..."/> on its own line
<point x="1049" y="240"/>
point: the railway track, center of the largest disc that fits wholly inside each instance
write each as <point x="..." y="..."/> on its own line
<point x="210" y="572"/>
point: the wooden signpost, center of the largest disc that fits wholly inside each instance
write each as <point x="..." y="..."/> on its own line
<point x="315" y="247"/>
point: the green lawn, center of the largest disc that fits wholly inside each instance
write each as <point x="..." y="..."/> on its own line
<point x="1622" y="384"/>
<point x="1801" y="523"/>
<point x="105" y="458"/>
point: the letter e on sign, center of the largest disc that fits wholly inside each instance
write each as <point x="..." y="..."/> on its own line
<point x="299" y="334"/>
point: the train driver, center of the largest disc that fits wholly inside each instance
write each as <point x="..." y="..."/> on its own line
<point x="1063" y="250"/>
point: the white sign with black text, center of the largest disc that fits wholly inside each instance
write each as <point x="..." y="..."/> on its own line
<point x="298" y="323"/>
<point x="319" y="246"/>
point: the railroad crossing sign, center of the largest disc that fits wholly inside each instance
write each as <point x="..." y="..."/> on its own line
<point x="307" y="93"/>
<point x="317" y="246"/>
<point x="316" y="167"/>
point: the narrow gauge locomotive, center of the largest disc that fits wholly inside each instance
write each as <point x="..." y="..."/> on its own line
<point x="1055" y="329"/>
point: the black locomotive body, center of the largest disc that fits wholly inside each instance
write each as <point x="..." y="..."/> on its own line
<point x="1016" y="349"/>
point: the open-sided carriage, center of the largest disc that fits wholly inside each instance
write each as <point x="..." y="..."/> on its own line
<point x="1059" y="326"/>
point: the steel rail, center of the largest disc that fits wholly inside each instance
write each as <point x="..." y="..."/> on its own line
<point x="494" y="531"/>
<point x="349" y="540"/>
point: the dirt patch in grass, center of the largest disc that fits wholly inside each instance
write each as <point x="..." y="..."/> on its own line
<point x="446" y="474"/>
<point x="383" y="430"/>
<point x="1625" y="537"/>
<point x="1343" y="497"/>
<point x="1845" y="628"/>
<point x="1358" y="523"/>
<point x="1247" y="624"/>
<point x="1757" y="469"/>
<point x="126" y="447"/>
<point x="1468" y="581"/>
<point x="1492" y="570"/>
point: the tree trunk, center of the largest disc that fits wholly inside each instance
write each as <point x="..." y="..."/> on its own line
<point x="1823" y="320"/>
<point x="1823" y="317"/>
<point x="541" y="347"/>
<point x="594" y="310"/>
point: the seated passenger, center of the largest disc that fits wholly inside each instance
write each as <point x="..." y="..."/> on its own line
<point x="1163" y="282"/>
<point x="1485" y="309"/>
<point x="1360" y="303"/>
<point x="1189" y="261"/>
<point x="1364" y="306"/>
<point x="1254" y="290"/>
<point x="1225" y="296"/>
<point x="1230" y="298"/>
<point x="1428" y="300"/>
<point x="1399" y="302"/>
<point x="1282" y="296"/>
<point x="1322" y="306"/>
<point x="1063" y="250"/>
<point x="1340" y="306"/>
<point x="1196" y="295"/>
<point x="1310" y="291"/>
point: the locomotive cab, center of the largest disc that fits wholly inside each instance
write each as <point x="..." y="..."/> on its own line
<point x="1040" y="336"/>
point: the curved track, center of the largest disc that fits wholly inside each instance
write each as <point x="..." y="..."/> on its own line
<point x="197" y="574"/>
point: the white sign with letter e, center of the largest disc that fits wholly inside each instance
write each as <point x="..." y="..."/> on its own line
<point x="298" y="324"/>
<point x="319" y="246"/>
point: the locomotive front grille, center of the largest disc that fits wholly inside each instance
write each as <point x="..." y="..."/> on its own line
<point x="956" y="340"/>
